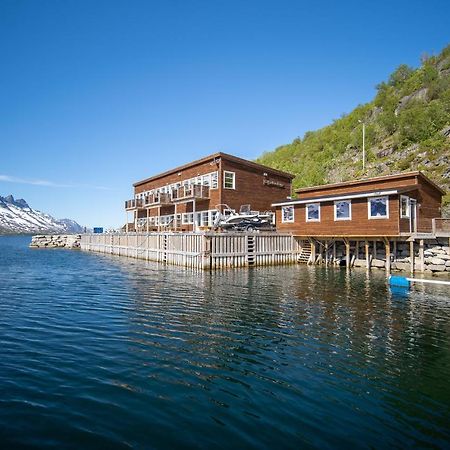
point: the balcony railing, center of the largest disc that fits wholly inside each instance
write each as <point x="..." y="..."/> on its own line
<point x="196" y="191"/>
<point x="168" y="222"/>
<point x="441" y="227"/>
<point x="134" y="203"/>
<point x="157" y="199"/>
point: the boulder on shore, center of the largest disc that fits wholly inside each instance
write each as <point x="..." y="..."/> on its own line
<point x="72" y="241"/>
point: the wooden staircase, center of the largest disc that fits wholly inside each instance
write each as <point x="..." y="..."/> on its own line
<point x="304" y="257"/>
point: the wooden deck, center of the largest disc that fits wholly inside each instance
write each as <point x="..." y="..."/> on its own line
<point x="206" y="251"/>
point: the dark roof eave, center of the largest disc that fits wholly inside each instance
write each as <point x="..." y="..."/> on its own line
<point x="213" y="156"/>
<point x="416" y="173"/>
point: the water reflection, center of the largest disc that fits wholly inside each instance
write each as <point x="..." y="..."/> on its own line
<point x="120" y="353"/>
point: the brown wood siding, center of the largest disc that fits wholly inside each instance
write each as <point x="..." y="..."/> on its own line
<point x="364" y="186"/>
<point x="428" y="197"/>
<point x="368" y="186"/>
<point x="429" y="206"/>
<point x="359" y="225"/>
<point x="250" y="187"/>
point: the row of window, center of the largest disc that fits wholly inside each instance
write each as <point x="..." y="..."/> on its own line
<point x="378" y="208"/>
<point x="201" y="218"/>
<point x="210" y="179"/>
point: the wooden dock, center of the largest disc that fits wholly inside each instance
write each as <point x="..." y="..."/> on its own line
<point x="205" y="251"/>
<point x="211" y="251"/>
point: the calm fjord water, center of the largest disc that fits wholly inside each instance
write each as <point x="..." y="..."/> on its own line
<point x="107" y="352"/>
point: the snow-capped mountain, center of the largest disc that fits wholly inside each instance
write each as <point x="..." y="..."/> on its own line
<point x="17" y="217"/>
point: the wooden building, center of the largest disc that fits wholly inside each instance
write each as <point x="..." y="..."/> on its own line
<point x="189" y="197"/>
<point x="392" y="205"/>
<point x="370" y="220"/>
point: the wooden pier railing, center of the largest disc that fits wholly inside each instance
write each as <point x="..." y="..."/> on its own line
<point x="199" y="250"/>
<point x="441" y="227"/>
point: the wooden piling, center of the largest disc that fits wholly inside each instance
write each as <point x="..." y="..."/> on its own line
<point x="347" y="253"/>
<point x="411" y="255"/>
<point x="388" y="255"/>
<point x="422" y="255"/>
<point x="367" y="254"/>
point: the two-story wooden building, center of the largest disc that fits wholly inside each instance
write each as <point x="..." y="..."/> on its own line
<point x="385" y="206"/>
<point x="190" y="196"/>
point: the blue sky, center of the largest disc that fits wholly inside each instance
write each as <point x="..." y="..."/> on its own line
<point x="95" y="95"/>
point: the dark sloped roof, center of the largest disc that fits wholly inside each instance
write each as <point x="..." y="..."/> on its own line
<point x="370" y="180"/>
<point x="214" y="156"/>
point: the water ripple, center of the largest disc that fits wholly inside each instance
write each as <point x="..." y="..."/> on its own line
<point x="105" y="352"/>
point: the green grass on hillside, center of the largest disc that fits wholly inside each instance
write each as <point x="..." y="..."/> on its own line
<point x="405" y="130"/>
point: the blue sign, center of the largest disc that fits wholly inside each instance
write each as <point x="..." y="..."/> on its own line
<point x="98" y="230"/>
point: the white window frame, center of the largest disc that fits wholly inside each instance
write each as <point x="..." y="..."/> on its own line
<point x="214" y="180"/>
<point x="233" y="174"/>
<point x="369" y="211"/>
<point x="187" y="218"/>
<point x="206" y="180"/>
<point x="306" y="212"/>
<point x="408" y="204"/>
<point x="336" y="218"/>
<point x="291" y="220"/>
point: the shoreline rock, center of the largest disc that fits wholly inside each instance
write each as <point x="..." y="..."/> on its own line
<point x="71" y="241"/>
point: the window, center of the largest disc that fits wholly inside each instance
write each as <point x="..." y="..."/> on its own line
<point x="214" y="180"/>
<point x="287" y="214"/>
<point x="206" y="180"/>
<point x="313" y="212"/>
<point x="228" y="180"/>
<point x="404" y="206"/>
<point x="188" y="218"/>
<point x="343" y="210"/>
<point x="378" y="208"/>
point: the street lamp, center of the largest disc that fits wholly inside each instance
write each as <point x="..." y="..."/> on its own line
<point x="364" y="143"/>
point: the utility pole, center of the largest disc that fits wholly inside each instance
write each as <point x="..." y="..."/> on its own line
<point x="364" y="144"/>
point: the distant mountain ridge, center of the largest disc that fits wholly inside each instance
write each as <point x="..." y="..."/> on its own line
<point x="407" y="128"/>
<point x="17" y="217"/>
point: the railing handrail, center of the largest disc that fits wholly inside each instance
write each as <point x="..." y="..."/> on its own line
<point x="181" y="192"/>
<point x="133" y="203"/>
<point x="157" y="198"/>
<point x="192" y="190"/>
<point x="438" y="224"/>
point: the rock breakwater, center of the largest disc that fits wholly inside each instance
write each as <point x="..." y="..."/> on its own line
<point x="71" y="241"/>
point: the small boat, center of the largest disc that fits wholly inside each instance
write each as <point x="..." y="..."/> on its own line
<point x="245" y="220"/>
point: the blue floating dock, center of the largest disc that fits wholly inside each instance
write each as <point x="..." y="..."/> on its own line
<point x="396" y="280"/>
<point x="399" y="281"/>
